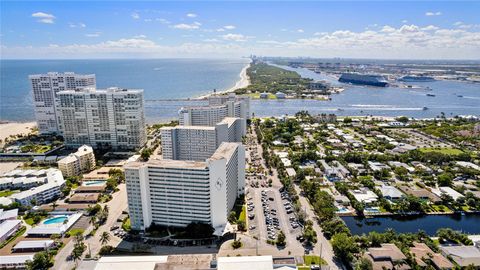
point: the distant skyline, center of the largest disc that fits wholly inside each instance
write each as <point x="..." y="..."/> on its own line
<point x="155" y="29"/>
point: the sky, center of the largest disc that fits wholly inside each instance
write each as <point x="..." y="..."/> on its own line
<point x="215" y="29"/>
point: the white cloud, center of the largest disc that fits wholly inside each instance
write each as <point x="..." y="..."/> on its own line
<point x="300" y="30"/>
<point x="432" y="13"/>
<point x="229" y="27"/>
<point x="235" y="37"/>
<point x="430" y="28"/>
<point x="211" y="40"/>
<point x="163" y="21"/>
<point x="147" y="20"/>
<point x="44" y="17"/>
<point x="79" y="25"/>
<point x="135" y="15"/>
<point x="458" y="23"/>
<point x="404" y="21"/>
<point x="220" y="30"/>
<point x="387" y="29"/>
<point x="191" y="15"/>
<point x="404" y="42"/>
<point x="185" y="26"/>
<point x="96" y="34"/>
<point x="140" y="36"/>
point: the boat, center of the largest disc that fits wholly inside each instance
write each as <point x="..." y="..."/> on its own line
<point x="459" y="96"/>
<point x="340" y="109"/>
<point x="430" y="95"/>
<point x="416" y="78"/>
<point x="363" y="79"/>
<point x="428" y="88"/>
<point x="425" y="108"/>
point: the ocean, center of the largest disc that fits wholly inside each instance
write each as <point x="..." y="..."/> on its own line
<point x="186" y="78"/>
<point x="160" y="78"/>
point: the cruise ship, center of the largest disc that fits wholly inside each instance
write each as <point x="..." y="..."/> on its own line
<point x="410" y="78"/>
<point x="363" y="79"/>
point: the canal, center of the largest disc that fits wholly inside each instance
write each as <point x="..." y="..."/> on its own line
<point x="469" y="223"/>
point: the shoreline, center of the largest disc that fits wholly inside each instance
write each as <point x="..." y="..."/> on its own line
<point x="242" y="83"/>
<point x="9" y="128"/>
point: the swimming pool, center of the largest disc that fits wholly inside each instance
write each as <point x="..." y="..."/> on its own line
<point x="55" y="220"/>
<point x="342" y="210"/>
<point x="372" y="210"/>
<point x="93" y="183"/>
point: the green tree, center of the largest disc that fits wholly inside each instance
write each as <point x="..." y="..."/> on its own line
<point x="281" y="239"/>
<point x="232" y="217"/>
<point x="41" y="260"/>
<point x="343" y="246"/>
<point x="145" y="154"/>
<point x="104" y="238"/>
<point x="363" y="264"/>
<point x="445" y="179"/>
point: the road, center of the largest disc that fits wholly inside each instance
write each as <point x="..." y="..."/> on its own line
<point x="323" y="246"/>
<point x="116" y="206"/>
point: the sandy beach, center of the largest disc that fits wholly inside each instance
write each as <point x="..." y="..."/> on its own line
<point x="243" y="82"/>
<point x="9" y="129"/>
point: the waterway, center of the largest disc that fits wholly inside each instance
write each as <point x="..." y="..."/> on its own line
<point x="450" y="97"/>
<point x="468" y="223"/>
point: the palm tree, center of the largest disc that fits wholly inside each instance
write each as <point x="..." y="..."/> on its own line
<point x="93" y="220"/>
<point x="105" y="209"/>
<point x="54" y="205"/>
<point x="104" y="238"/>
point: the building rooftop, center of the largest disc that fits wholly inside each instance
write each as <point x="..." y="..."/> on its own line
<point x="189" y="127"/>
<point x="8" y="214"/>
<point x="54" y="178"/>
<point x="33" y="244"/>
<point x="15" y="259"/>
<point x="169" y="163"/>
<point x="463" y="255"/>
<point x="229" y="120"/>
<point x="422" y="252"/>
<point x="129" y="262"/>
<point x="245" y="262"/>
<point x="387" y="251"/>
<point x="7" y="225"/>
<point x="225" y="151"/>
<point x="390" y="191"/>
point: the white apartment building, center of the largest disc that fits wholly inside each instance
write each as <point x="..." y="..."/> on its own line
<point x="176" y="193"/>
<point x="44" y="89"/>
<point x="220" y="106"/>
<point x="200" y="142"/>
<point x="79" y="162"/>
<point x="112" y="118"/>
<point x="44" y="193"/>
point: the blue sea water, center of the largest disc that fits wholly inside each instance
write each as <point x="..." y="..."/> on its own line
<point x="160" y="78"/>
<point x="185" y="78"/>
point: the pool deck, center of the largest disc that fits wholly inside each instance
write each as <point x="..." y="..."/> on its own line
<point x="55" y="228"/>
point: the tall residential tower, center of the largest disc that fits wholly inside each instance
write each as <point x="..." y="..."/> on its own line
<point x="112" y="118"/>
<point x="177" y="192"/>
<point x="44" y="89"/>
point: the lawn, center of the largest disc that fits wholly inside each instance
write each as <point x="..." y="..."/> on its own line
<point x="74" y="232"/>
<point x="309" y="260"/>
<point x="445" y="151"/>
<point x="243" y="214"/>
<point x="257" y="96"/>
<point x="6" y="193"/>
<point x="126" y="225"/>
<point x="440" y="208"/>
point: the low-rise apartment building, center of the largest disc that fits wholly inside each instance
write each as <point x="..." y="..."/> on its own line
<point x="77" y="163"/>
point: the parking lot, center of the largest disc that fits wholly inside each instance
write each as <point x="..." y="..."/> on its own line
<point x="270" y="212"/>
